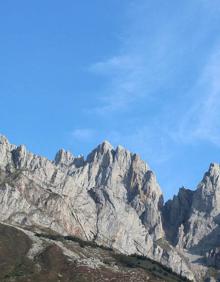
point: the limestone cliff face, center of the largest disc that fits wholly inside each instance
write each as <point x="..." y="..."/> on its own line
<point x="192" y="223"/>
<point x="205" y="212"/>
<point x="193" y="217"/>
<point x="176" y="213"/>
<point x="111" y="197"/>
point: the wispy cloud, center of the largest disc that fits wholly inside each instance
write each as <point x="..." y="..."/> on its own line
<point x="202" y="120"/>
<point x="112" y="65"/>
<point x="141" y="67"/>
<point x="169" y="63"/>
<point x="125" y="85"/>
<point x="154" y="53"/>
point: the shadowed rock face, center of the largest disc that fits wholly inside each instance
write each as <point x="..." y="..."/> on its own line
<point x="176" y="212"/>
<point x="191" y="221"/>
<point x="112" y="197"/>
<point x="192" y="217"/>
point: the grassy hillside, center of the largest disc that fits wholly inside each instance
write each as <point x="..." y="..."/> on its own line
<point x="85" y="262"/>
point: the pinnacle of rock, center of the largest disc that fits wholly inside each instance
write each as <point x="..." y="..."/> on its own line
<point x="112" y="198"/>
<point x="63" y="157"/>
<point x="120" y="148"/>
<point x="105" y="146"/>
<point x="3" y="140"/>
<point x="214" y="169"/>
<point x="19" y="156"/>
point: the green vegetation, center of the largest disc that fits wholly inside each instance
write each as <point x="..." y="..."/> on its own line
<point x="81" y="242"/>
<point x="50" y="264"/>
<point x="132" y="261"/>
<point x="149" y="265"/>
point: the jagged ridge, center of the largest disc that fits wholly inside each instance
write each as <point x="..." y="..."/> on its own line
<point x="112" y="197"/>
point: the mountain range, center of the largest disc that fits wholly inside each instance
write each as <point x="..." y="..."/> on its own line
<point x="110" y="199"/>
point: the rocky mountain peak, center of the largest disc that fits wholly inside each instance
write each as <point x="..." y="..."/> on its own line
<point x="104" y="148"/>
<point x="4" y="140"/>
<point x="212" y="172"/>
<point x="192" y="221"/>
<point x="63" y="157"/>
<point x="100" y="152"/>
<point x="112" y="198"/>
<point x="214" y="167"/>
<point x="207" y="195"/>
<point x="19" y="155"/>
<point x="176" y="212"/>
<point x="5" y="144"/>
<point x="106" y="145"/>
<point x="66" y="161"/>
<point x="120" y="148"/>
<point x="5" y="151"/>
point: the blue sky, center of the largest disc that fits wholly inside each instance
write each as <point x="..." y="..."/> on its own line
<point x="143" y="74"/>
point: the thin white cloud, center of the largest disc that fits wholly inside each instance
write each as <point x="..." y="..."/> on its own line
<point x="202" y="120"/>
<point x="112" y="65"/>
<point x="125" y="85"/>
<point x="140" y="68"/>
<point x="153" y="53"/>
<point x="154" y="57"/>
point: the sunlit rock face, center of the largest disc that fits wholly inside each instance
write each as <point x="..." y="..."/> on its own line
<point x="111" y="197"/>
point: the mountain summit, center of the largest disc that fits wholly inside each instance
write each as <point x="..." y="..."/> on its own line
<point x="112" y="198"/>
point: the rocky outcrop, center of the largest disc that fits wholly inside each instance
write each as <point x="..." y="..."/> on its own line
<point x="192" y="217"/>
<point x="191" y="220"/>
<point x="111" y="197"/>
<point x="176" y="213"/>
<point x="213" y="258"/>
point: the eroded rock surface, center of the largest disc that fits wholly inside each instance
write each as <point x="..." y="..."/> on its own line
<point x="192" y="218"/>
<point x="112" y="198"/>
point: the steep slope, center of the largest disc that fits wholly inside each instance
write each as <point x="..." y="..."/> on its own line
<point x="192" y="218"/>
<point x="176" y="212"/>
<point x="91" y="200"/>
<point x="50" y="257"/>
<point x="112" y="198"/>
